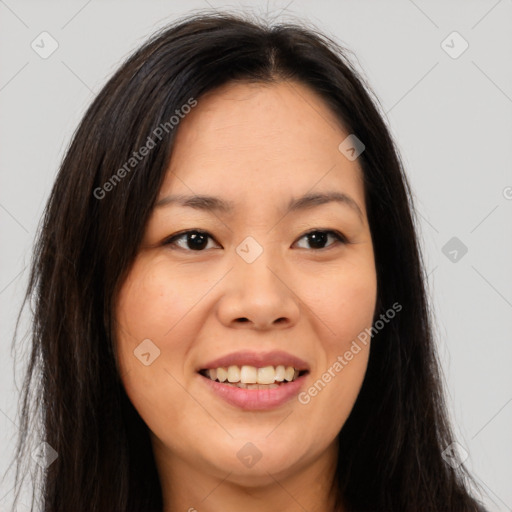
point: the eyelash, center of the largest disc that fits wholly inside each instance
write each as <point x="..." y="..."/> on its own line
<point x="340" y="238"/>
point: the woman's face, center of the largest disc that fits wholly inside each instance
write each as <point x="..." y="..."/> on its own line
<point x="254" y="290"/>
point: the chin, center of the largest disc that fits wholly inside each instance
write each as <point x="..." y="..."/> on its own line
<point x="255" y="463"/>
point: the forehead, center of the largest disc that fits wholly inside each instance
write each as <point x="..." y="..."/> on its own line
<point x="248" y="141"/>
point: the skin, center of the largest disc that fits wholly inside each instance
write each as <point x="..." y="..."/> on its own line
<point x="257" y="145"/>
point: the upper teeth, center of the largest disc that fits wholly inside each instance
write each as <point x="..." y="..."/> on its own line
<point x="252" y="375"/>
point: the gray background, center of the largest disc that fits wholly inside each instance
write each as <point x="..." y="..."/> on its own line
<point x="451" y="118"/>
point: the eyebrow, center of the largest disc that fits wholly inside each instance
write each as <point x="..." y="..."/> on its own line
<point x="216" y="204"/>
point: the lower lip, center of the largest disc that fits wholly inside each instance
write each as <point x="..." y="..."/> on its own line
<point x="256" y="399"/>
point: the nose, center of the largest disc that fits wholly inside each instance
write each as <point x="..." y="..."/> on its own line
<point x="258" y="296"/>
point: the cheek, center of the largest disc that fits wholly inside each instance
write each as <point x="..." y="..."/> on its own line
<point x="346" y="307"/>
<point x="345" y="303"/>
<point x="153" y="304"/>
<point x="156" y="297"/>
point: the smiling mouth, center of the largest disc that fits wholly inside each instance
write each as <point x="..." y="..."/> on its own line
<point x="251" y="377"/>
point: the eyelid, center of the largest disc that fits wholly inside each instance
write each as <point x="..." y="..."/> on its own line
<point x="168" y="240"/>
<point x="340" y="237"/>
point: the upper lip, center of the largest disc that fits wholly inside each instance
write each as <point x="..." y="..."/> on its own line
<point x="257" y="359"/>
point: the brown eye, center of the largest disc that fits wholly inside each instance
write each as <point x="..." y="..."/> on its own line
<point x="193" y="240"/>
<point x="318" y="238"/>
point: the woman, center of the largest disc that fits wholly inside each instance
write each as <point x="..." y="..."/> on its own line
<point x="230" y="309"/>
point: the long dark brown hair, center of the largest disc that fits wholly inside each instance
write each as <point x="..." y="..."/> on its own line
<point x="390" y="454"/>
